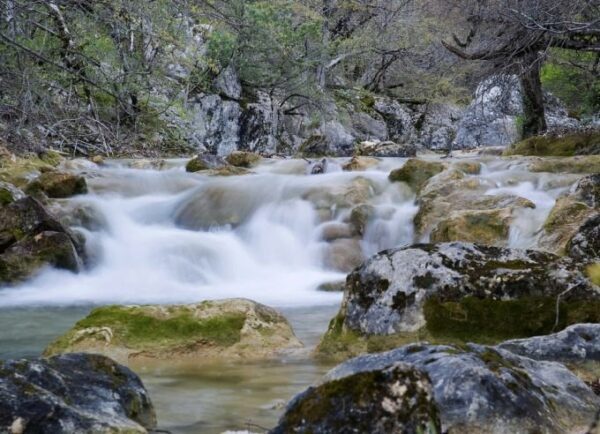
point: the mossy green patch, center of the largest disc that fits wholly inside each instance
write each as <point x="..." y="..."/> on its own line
<point x="133" y="327"/>
<point x="593" y="272"/>
<point x="583" y="143"/>
<point x="581" y="164"/>
<point x="490" y="321"/>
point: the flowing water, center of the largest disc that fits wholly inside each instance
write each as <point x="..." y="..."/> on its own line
<point x="172" y="237"/>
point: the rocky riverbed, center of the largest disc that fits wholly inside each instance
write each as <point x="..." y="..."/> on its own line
<point x="232" y="284"/>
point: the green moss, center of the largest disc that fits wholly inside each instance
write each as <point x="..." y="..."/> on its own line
<point x="132" y="327"/>
<point x="581" y="164"/>
<point x="416" y="173"/>
<point x="196" y="165"/>
<point x="6" y="196"/>
<point x="593" y="272"/>
<point x="491" y="321"/>
<point x="585" y="143"/>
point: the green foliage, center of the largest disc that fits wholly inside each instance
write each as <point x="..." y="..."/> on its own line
<point x="569" y="75"/>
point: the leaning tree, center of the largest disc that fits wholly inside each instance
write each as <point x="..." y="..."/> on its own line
<point x="514" y="36"/>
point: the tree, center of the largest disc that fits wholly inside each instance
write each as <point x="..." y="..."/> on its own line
<point x="515" y="35"/>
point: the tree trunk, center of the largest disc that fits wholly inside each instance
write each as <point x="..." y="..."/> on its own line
<point x="533" y="97"/>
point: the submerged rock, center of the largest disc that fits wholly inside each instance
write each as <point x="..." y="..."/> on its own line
<point x="147" y="164"/>
<point x="480" y="389"/>
<point x="397" y="399"/>
<point x="457" y="292"/>
<point x="72" y="393"/>
<point x="360" y="164"/>
<point x="416" y="173"/>
<point x="58" y="185"/>
<point x="30" y="239"/>
<point x="224" y="329"/>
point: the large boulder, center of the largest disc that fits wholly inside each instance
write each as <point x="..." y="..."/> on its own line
<point x="577" y="346"/>
<point x="58" y="185"/>
<point x="72" y="393"/>
<point x="492" y="119"/>
<point x="416" y="173"/>
<point x="30" y="239"/>
<point x="223" y="329"/>
<point x="458" y="292"/>
<point x="397" y="399"/>
<point x="481" y="389"/>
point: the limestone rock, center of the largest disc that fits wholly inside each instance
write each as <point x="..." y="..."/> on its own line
<point x="73" y="393"/>
<point x="416" y="173"/>
<point x="58" y="185"/>
<point x="211" y="330"/>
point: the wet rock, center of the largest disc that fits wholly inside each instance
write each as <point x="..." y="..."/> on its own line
<point x="397" y="399"/>
<point x="315" y="146"/>
<point x="360" y="217"/>
<point x="481" y="389"/>
<point x="584" y="245"/>
<point x="360" y="164"/>
<point x="386" y="149"/>
<point x="72" y="393"/>
<point x="227" y="171"/>
<point x="587" y="190"/>
<point x="578" y="346"/>
<point x="223" y="329"/>
<point x="319" y="167"/>
<point x="337" y="286"/>
<point x="243" y="159"/>
<point x="9" y="193"/>
<point x="359" y="190"/>
<point x="331" y="231"/>
<point x="58" y="185"/>
<point x="458" y="291"/>
<point x="489" y="227"/>
<point x="25" y="258"/>
<point x="147" y="164"/>
<point x="416" y="173"/>
<point x="469" y="167"/>
<point x="344" y="254"/>
<point x="205" y="162"/>
<point x="582" y="164"/>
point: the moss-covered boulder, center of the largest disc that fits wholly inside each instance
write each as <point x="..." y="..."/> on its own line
<point x="58" y="185"/>
<point x="386" y="149"/>
<point x="31" y="239"/>
<point x="468" y="167"/>
<point x="205" y="162"/>
<point x="481" y="389"/>
<point x="243" y="159"/>
<point x="570" y="145"/>
<point x="73" y="393"/>
<point x="195" y="333"/>
<point x="581" y="164"/>
<point x="397" y="399"/>
<point x="20" y="171"/>
<point x="416" y="173"/>
<point x="457" y="292"/>
<point x="360" y="164"/>
<point x="489" y="227"/>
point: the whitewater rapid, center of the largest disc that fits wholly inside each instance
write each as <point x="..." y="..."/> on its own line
<point x="150" y="241"/>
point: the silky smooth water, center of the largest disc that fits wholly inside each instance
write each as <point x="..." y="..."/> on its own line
<point x="172" y="237"/>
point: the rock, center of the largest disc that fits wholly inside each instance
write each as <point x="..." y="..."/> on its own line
<point x="397" y="399"/>
<point x="593" y="273"/>
<point x="386" y="149"/>
<point x="469" y="167"/>
<point x="337" y="286"/>
<point x="228" y="83"/>
<point x="340" y="141"/>
<point x="581" y="164"/>
<point x="458" y="291"/>
<point x="438" y="124"/>
<point x="551" y="145"/>
<point x="147" y="164"/>
<point x="97" y="159"/>
<point x="492" y="118"/>
<point x="489" y="227"/>
<point x="358" y="191"/>
<point x="315" y="146"/>
<point x="9" y="193"/>
<point x="587" y="190"/>
<point x="227" y="171"/>
<point x="25" y="258"/>
<point x="482" y="389"/>
<point x="398" y="118"/>
<point x="416" y="173"/>
<point x="360" y="164"/>
<point x="205" y="162"/>
<point x="331" y="231"/>
<point x="369" y="126"/>
<point x="72" y="393"/>
<point x="30" y="238"/>
<point x="360" y="217"/>
<point x="577" y="346"/>
<point x="344" y="254"/>
<point x="58" y="185"/>
<point x="243" y="159"/>
<point x="319" y="167"/>
<point x="211" y="330"/>
<point x="584" y="245"/>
